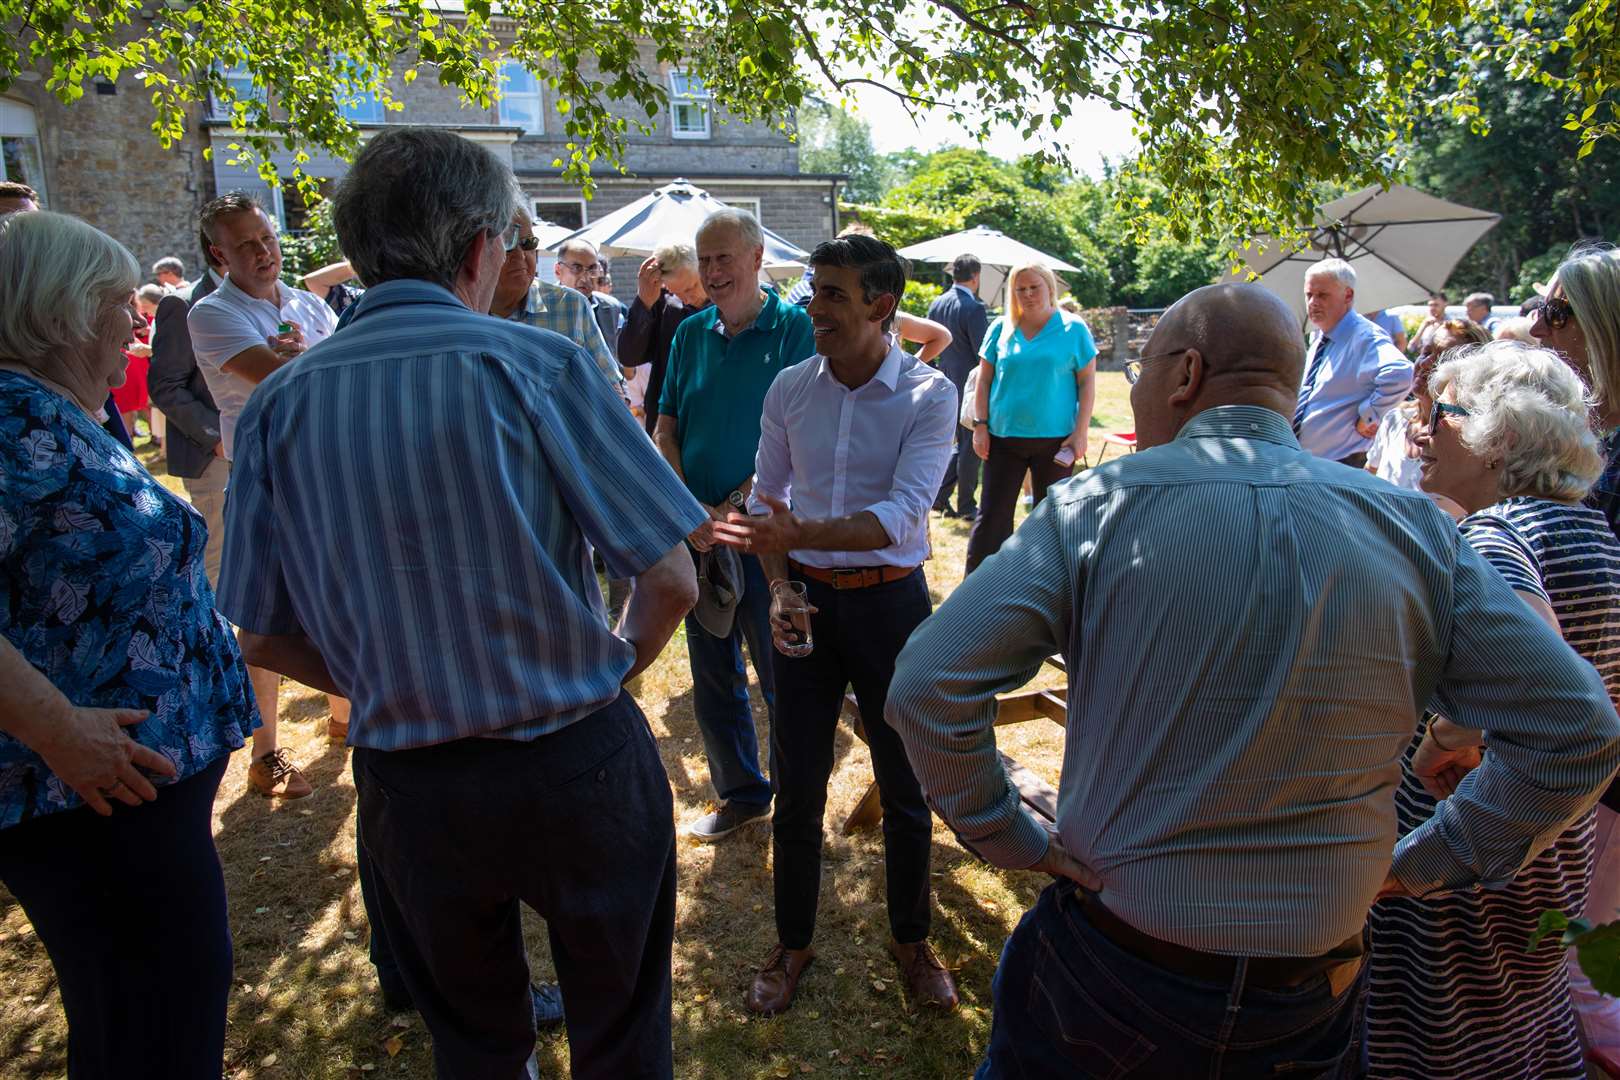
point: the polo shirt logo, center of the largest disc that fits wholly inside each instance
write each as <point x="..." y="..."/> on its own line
<point x="768" y="358"/>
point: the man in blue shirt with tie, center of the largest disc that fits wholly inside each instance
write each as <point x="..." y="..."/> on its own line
<point x="1353" y="373"/>
<point x="961" y="312"/>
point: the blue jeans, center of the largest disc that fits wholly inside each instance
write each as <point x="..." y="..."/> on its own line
<point x="1071" y="1003"/>
<point x="720" y="691"/>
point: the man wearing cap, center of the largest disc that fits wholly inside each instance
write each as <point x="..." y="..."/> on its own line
<point x="721" y="362"/>
<point x="857" y="437"/>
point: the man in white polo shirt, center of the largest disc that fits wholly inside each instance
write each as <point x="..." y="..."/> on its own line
<point x="241" y="332"/>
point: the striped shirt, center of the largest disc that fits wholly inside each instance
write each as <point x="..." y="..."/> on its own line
<point x="1462" y="955"/>
<point x="420" y="494"/>
<point x="1251" y="632"/>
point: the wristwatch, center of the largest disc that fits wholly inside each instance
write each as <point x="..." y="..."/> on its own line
<point x="981" y="423"/>
<point x="736" y="499"/>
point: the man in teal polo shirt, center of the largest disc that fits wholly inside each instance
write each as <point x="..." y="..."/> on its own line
<point x="721" y="362"/>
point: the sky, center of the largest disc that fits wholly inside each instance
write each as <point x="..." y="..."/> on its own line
<point x="1093" y="132"/>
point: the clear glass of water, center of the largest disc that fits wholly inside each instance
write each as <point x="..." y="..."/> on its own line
<point x="790" y="603"/>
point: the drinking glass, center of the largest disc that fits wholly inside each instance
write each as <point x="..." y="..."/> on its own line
<point x="788" y="600"/>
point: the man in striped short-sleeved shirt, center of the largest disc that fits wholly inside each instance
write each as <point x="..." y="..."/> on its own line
<point x="412" y="512"/>
<point x="1251" y="634"/>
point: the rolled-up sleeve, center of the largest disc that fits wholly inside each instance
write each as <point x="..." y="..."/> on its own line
<point x="1391" y="384"/>
<point x="925" y="452"/>
<point x="1551" y="732"/>
<point x="989" y="636"/>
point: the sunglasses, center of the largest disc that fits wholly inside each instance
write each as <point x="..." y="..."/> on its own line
<point x="1442" y="408"/>
<point x="1556" y="312"/>
<point x="1133" y="368"/>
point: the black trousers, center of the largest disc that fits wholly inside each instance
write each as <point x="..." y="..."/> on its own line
<point x="858" y="634"/>
<point x="962" y="475"/>
<point x="580" y="826"/>
<point x="131" y="910"/>
<point x="1003" y="481"/>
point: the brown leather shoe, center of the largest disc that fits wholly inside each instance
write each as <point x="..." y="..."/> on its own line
<point x="927" y="981"/>
<point x="776" y="982"/>
<point x="276" y="777"/>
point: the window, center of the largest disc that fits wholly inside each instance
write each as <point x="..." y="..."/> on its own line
<point x="520" y="99"/>
<point x="20" y="158"/>
<point x="363" y="108"/>
<point x="750" y="205"/>
<point x="240" y="80"/>
<point x="688" y="106"/>
<point x="569" y="213"/>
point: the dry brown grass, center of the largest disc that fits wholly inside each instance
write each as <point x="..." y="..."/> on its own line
<point x="306" y="996"/>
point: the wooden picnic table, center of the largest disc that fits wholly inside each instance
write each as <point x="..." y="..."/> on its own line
<point x="1013" y="708"/>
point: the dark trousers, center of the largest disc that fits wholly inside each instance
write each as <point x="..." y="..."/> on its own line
<point x="1069" y="1002"/>
<point x="131" y="910"/>
<point x="962" y="475"/>
<point x="579" y="825"/>
<point x="857" y="633"/>
<point x="725" y="717"/>
<point x="1003" y="482"/>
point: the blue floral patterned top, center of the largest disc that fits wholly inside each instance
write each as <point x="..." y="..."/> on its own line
<point x="104" y="591"/>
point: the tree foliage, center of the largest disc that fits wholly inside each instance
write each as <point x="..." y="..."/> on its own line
<point x="832" y="140"/>
<point x="1239" y="104"/>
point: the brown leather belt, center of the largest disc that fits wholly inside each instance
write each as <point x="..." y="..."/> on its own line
<point x="860" y="577"/>
<point x="1265" y="972"/>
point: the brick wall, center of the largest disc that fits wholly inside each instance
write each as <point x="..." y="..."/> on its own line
<point x="103" y="164"/>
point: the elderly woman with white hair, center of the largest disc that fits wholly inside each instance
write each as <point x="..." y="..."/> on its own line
<point x="1452" y="989"/>
<point x="1033" y="402"/>
<point x="122" y="693"/>
<point x="1580" y="318"/>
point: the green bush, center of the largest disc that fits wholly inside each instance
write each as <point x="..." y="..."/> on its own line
<point x="312" y="247"/>
<point x="919" y="294"/>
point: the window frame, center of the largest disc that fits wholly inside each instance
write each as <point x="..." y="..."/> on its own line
<point x="38" y="183"/>
<point x="681" y="96"/>
<point x="538" y="201"/>
<point x="538" y="95"/>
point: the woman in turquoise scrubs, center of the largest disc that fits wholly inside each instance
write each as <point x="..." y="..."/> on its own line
<point x="1033" y="403"/>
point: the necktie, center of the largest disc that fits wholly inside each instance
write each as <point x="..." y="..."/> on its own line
<point x="1312" y="368"/>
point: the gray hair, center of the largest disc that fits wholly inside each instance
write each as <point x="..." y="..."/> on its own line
<point x="152" y="294"/>
<point x="413" y="201"/>
<point x="673" y="258"/>
<point x="169" y="264"/>
<point x="1515" y="329"/>
<point x="741" y="220"/>
<point x="57" y="274"/>
<point x="1526" y="407"/>
<point x="1590" y="277"/>
<point x="1479" y="298"/>
<point x="1334" y="268"/>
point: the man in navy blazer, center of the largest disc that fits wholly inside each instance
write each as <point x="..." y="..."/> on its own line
<point x="177" y="387"/>
<point x="962" y="312"/>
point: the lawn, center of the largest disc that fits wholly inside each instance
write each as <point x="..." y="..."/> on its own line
<point x="305" y="1002"/>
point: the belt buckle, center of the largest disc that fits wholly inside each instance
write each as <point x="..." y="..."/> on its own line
<point x="855" y="578"/>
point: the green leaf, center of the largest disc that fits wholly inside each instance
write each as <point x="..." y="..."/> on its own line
<point x="1552" y="922"/>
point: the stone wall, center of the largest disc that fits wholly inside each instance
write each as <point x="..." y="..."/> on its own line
<point x="103" y="164"/>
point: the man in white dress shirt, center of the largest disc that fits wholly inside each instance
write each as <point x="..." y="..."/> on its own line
<point x="856" y="439"/>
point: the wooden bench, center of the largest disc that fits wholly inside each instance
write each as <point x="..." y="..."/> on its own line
<point x="1014" y="708"/>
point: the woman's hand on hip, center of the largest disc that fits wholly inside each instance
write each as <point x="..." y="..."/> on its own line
<point x="90" y="752"/>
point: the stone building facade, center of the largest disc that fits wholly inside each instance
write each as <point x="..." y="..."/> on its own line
<point x="97" y="158"/>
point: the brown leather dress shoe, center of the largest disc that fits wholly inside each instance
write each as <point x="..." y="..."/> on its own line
<point x="776" y="982"/>
<point x="927" y="981"/>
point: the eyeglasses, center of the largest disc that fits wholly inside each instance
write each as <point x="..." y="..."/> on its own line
<point x="581" y="269"/>
<point x="1556" y="312"/>
<point x="528" y="243"/>
<point x="1133" y="368"/>
<point x="1442" y="408"/>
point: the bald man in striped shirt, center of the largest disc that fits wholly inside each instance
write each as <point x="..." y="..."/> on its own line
<point x="1252" y="634"/>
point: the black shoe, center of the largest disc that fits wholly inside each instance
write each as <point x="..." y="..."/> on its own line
<point x="728" y="819"/>
<point x="396" y="999"/>
<point x="943" y="509"/>
<point x="548" y="1004"/>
